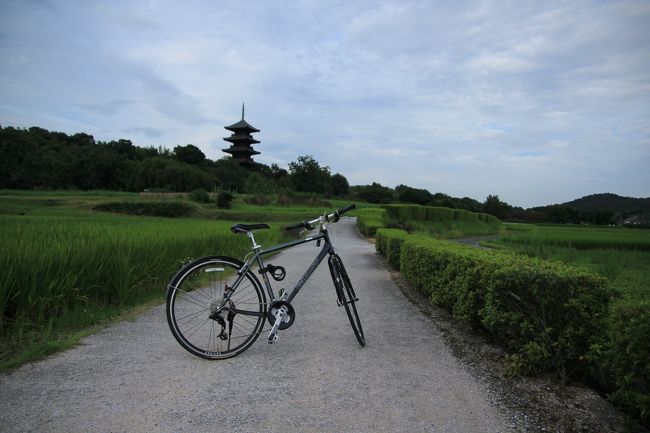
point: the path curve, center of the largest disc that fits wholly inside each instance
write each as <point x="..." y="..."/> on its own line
<point x="134" y="377"/>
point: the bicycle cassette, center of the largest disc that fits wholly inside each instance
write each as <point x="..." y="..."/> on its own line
<point x="273" y="308"/>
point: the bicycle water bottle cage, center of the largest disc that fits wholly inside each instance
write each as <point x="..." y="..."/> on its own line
<point x="277" y="272"/>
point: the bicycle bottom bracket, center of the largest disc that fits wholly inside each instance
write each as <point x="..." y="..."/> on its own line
<point x="289" y="318"/>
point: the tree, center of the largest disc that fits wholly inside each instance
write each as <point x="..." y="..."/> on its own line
<point x="496" y="207"/>
<point x="230" y="175"/>
<point x="407" y="194"/>
<point x="307" y="175"/>
<point x="189" y="154"/>
<point x="340" y="185"/>
<point x="375" y="193"/>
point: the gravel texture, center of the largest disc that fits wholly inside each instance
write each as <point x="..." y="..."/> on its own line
<point x="134" y="377"/>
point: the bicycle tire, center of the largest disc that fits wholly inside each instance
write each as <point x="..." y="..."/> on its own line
<point x="195" y="293"/>
<point x="346" y="295"/>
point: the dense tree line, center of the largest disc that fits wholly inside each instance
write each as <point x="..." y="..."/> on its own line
<point x="558" y="214"/>
<point x="36" y="158"/>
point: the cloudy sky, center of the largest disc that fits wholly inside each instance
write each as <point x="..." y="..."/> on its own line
<point x="538" y="102"/>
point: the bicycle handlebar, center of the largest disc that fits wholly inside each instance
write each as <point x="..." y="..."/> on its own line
<point x="331" y="218"/>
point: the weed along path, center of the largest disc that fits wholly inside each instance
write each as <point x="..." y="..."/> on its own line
<point x="134" y="377"/>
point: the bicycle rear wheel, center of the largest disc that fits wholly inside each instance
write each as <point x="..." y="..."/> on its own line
<point x="346" y="295"/>
<point x="200" y="320"/>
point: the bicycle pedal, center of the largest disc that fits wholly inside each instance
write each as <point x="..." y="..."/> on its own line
<point x="273" y="338"/>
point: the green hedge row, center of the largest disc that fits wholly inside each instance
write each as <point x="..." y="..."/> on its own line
<point x="404" y="213"/>
<point x="389" y="244"/>
<point x="628" y="357"/>
<point x="437" y="221"/>
<point x="370" y="219"/>
<point x="547" y="314"/>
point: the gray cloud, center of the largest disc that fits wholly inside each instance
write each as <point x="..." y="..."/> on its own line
<point x="146" y="131"/>
<point x="536" y="102"/>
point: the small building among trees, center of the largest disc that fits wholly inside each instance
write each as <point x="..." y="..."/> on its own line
<point x="241" y="142"/>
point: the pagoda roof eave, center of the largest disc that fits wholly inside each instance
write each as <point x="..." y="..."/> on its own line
<point x="242" y="125"/>
<point x="235" y="139"/>
<point x="241" y="150"/>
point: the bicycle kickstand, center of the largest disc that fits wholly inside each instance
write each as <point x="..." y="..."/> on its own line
<point x="280" y="315"/>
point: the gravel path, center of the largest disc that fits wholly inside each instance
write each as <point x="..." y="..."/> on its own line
<point x="134" y="377"/>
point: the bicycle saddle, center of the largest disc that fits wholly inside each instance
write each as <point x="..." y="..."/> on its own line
<point x="245" y="228"/>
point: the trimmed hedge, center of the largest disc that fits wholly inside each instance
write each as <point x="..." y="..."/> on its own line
<point x="547" y="314"/>
<point x="629" y="357"/>
<point x="369" y="220"/>
<point x="389" y="243"/>
<point x="404" y="213"/>
<point x="550" y="316"/>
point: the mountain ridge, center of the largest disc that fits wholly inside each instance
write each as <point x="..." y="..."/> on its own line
<point x="610" y="202"/>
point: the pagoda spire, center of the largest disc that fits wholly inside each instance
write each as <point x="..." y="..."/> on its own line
<point x="242" y="111"/>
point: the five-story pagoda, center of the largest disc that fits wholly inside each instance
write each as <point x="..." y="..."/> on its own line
<point x="241" y="141"/>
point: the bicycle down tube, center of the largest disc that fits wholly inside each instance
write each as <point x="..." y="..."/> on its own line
<point x="257" y="258"/>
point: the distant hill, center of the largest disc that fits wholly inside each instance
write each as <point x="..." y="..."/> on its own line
<point x="612" y="203"/>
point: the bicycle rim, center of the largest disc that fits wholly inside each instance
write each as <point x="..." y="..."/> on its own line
<point x="195" y="294"/>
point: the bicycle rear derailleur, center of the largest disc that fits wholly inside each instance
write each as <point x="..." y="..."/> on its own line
<point x="216" y="315"/>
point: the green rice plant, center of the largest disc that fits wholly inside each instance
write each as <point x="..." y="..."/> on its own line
<point x="581" y="237"/>
<point x="145" y="208"/>
<point x="60" y="267"/>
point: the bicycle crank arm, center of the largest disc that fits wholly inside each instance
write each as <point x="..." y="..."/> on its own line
<point x="279" y="318"/>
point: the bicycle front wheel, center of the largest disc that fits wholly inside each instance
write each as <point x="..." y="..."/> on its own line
<point x="346" y="295"/>
<point x="200" y="318"/>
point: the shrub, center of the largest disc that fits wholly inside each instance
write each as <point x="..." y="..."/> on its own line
<point x="258" y="200"/>
<point x="389" y="243"/>
<point x="547" y="314"/>
<point x="628" y="357"/>
<point x="200" y="195"/>
<point x="162" y="209"/>
<point x="224" y="199"/>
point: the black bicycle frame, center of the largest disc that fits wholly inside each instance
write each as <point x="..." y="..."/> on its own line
<point x="257" y="258"/>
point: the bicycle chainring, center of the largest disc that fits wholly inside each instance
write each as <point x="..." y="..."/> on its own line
<point x="288" y="320"/>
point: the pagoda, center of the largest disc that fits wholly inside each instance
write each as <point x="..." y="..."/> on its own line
<point x="241" y="141"/>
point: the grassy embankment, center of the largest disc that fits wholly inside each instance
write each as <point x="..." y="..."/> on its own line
<point x="68" y="268"/>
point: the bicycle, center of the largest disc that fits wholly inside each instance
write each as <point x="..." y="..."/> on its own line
<point x="217" y="307"/>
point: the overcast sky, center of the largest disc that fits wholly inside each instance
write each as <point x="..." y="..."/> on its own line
<point x="539" y="102"/>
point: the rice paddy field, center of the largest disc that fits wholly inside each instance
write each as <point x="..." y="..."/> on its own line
<point x="620" y="254"/>
<point x="67" y="267"/>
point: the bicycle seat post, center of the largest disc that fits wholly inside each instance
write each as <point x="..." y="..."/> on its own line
<point x="256" y="247"/>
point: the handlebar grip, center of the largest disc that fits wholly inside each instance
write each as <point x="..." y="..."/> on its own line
<point x="346" y="209"/>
